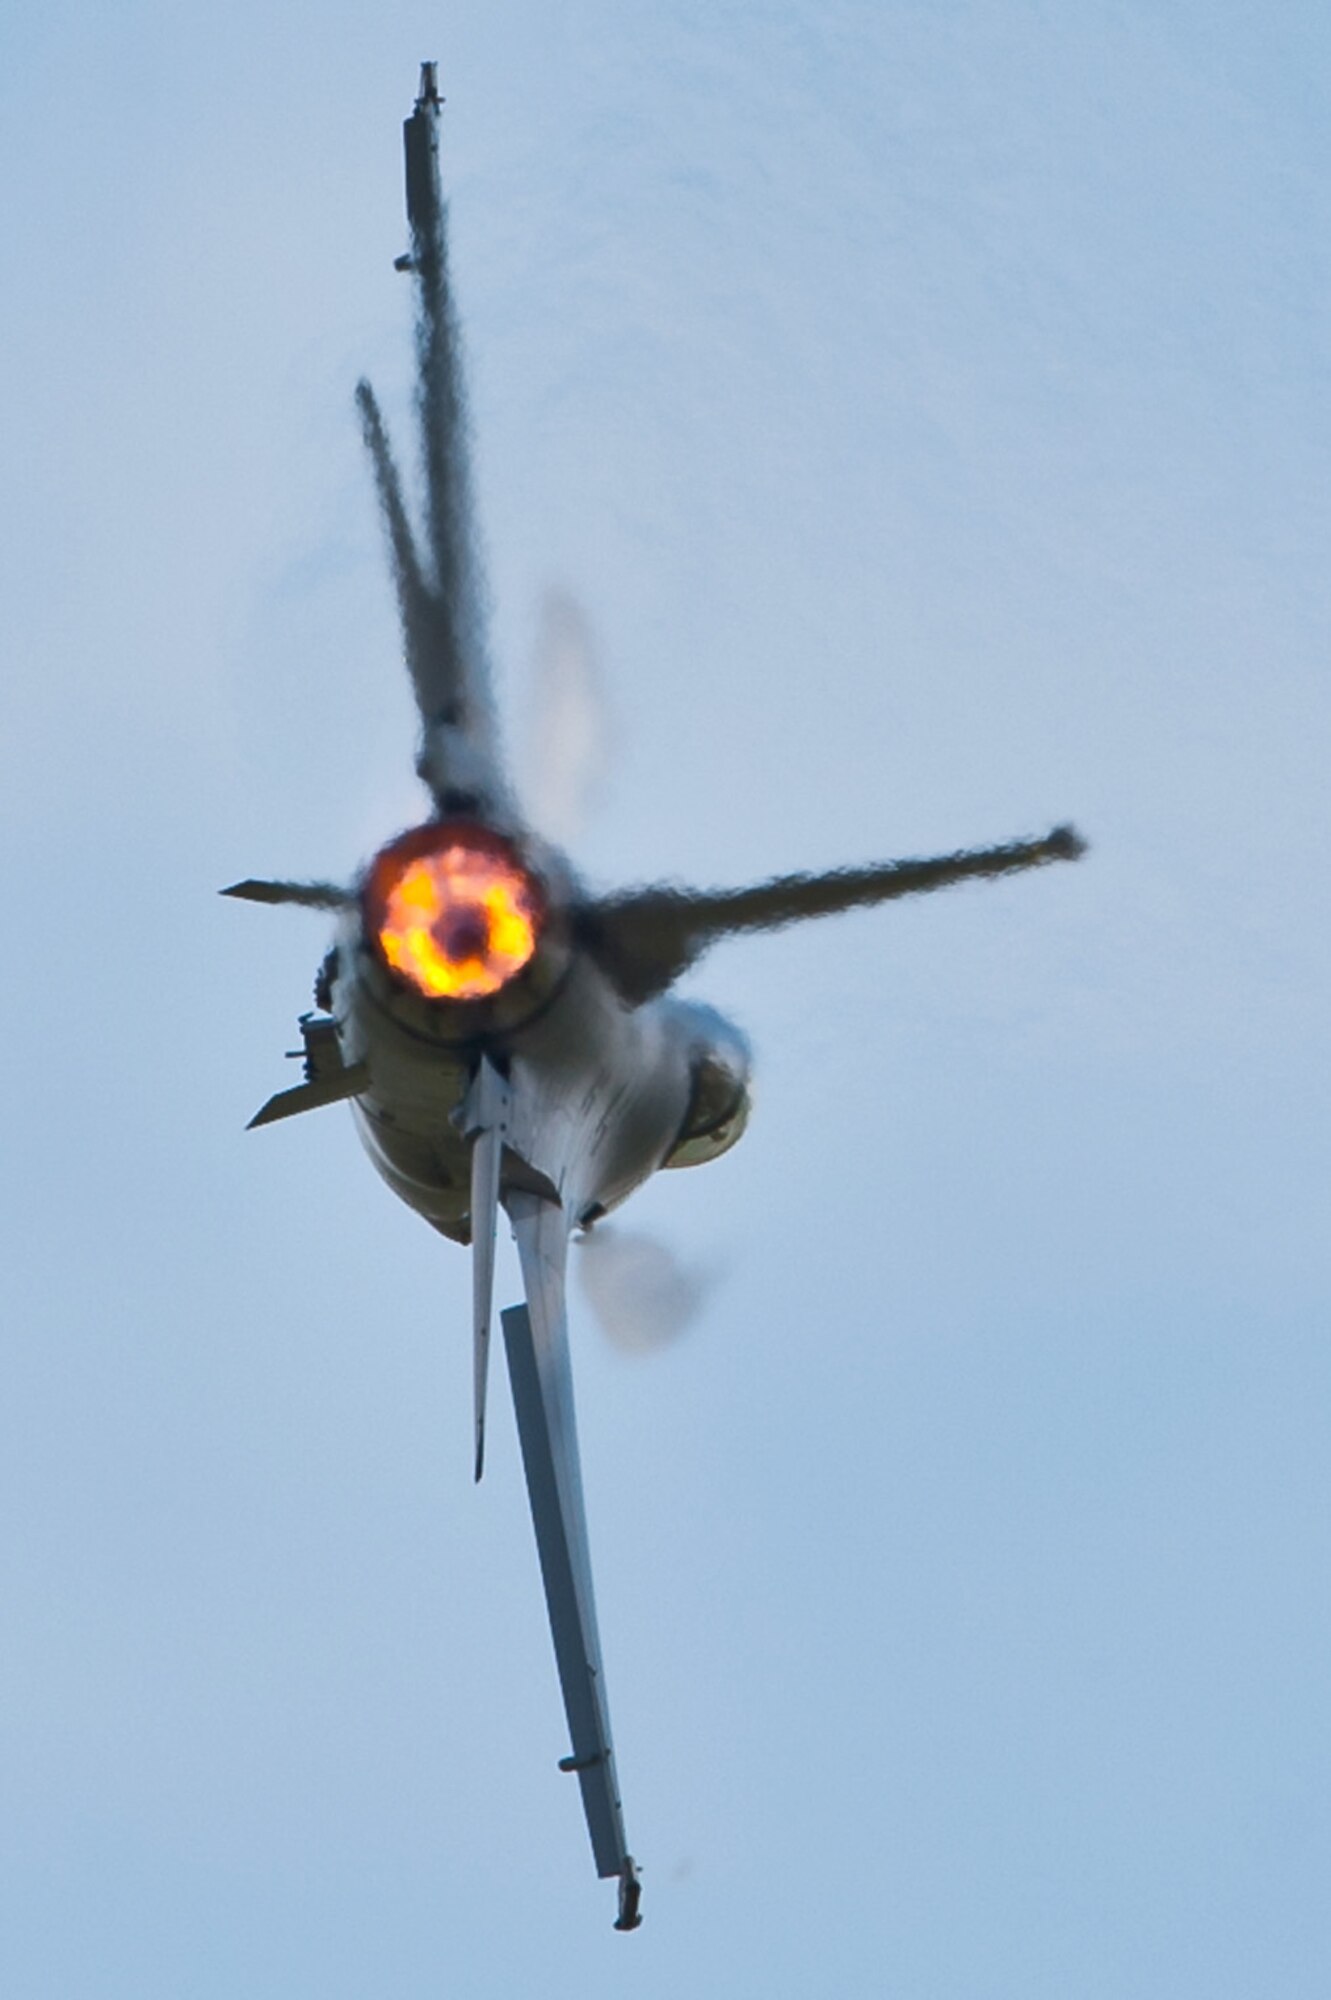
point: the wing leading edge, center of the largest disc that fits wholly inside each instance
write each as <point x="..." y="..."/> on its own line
<point x="536" y="1341"/>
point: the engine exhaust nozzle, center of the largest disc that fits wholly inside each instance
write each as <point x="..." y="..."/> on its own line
<point x="453" y="911"/>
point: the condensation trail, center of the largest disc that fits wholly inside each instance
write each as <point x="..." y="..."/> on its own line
<point x="424" y="632"/>
<point x="642" y="1293"/>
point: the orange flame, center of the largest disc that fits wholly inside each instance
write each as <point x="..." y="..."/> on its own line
<point x="456" y="917"/>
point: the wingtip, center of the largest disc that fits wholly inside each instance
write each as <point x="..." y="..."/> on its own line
<point x="1065" y="843"/>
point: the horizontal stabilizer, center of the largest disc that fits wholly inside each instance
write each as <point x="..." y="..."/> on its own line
<point x="644" y="940"/>
<point x="308" y="895"/>
<point x="312" y="1096"/>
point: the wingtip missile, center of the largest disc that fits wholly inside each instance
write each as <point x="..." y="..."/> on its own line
<point x="422" y="189"/>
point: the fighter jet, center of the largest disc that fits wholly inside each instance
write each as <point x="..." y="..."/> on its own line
<point x="505" y="1038"/>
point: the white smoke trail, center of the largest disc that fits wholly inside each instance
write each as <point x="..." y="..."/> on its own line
<point x="566" y="749"/>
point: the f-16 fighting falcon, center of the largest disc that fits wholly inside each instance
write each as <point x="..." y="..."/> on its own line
<point x="505" y="1038"/>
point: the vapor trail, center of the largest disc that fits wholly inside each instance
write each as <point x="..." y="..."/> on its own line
<point x="424" y="633"/>
<point x="643" y="1295"/>
<point x="566" y="746"/>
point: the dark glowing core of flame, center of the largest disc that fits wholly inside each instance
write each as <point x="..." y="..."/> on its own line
<point x="452" y="910"/>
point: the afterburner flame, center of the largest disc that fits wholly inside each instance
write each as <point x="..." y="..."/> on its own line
<point x="453" y="911"/>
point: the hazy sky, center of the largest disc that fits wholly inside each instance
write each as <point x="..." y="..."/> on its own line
<point x="929" y="407"/>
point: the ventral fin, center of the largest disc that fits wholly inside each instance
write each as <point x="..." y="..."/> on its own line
<point x="484" y="1120"/>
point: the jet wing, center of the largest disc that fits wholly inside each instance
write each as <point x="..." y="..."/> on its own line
<point x="536" y="1339"/>
<point x="645" y="939"/>
<point x="437" y="573"/>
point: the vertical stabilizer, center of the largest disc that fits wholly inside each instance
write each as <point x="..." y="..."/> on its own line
<point x="536" y="1339"/>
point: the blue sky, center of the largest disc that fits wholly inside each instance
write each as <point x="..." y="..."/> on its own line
<point x="929" y="408"/>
